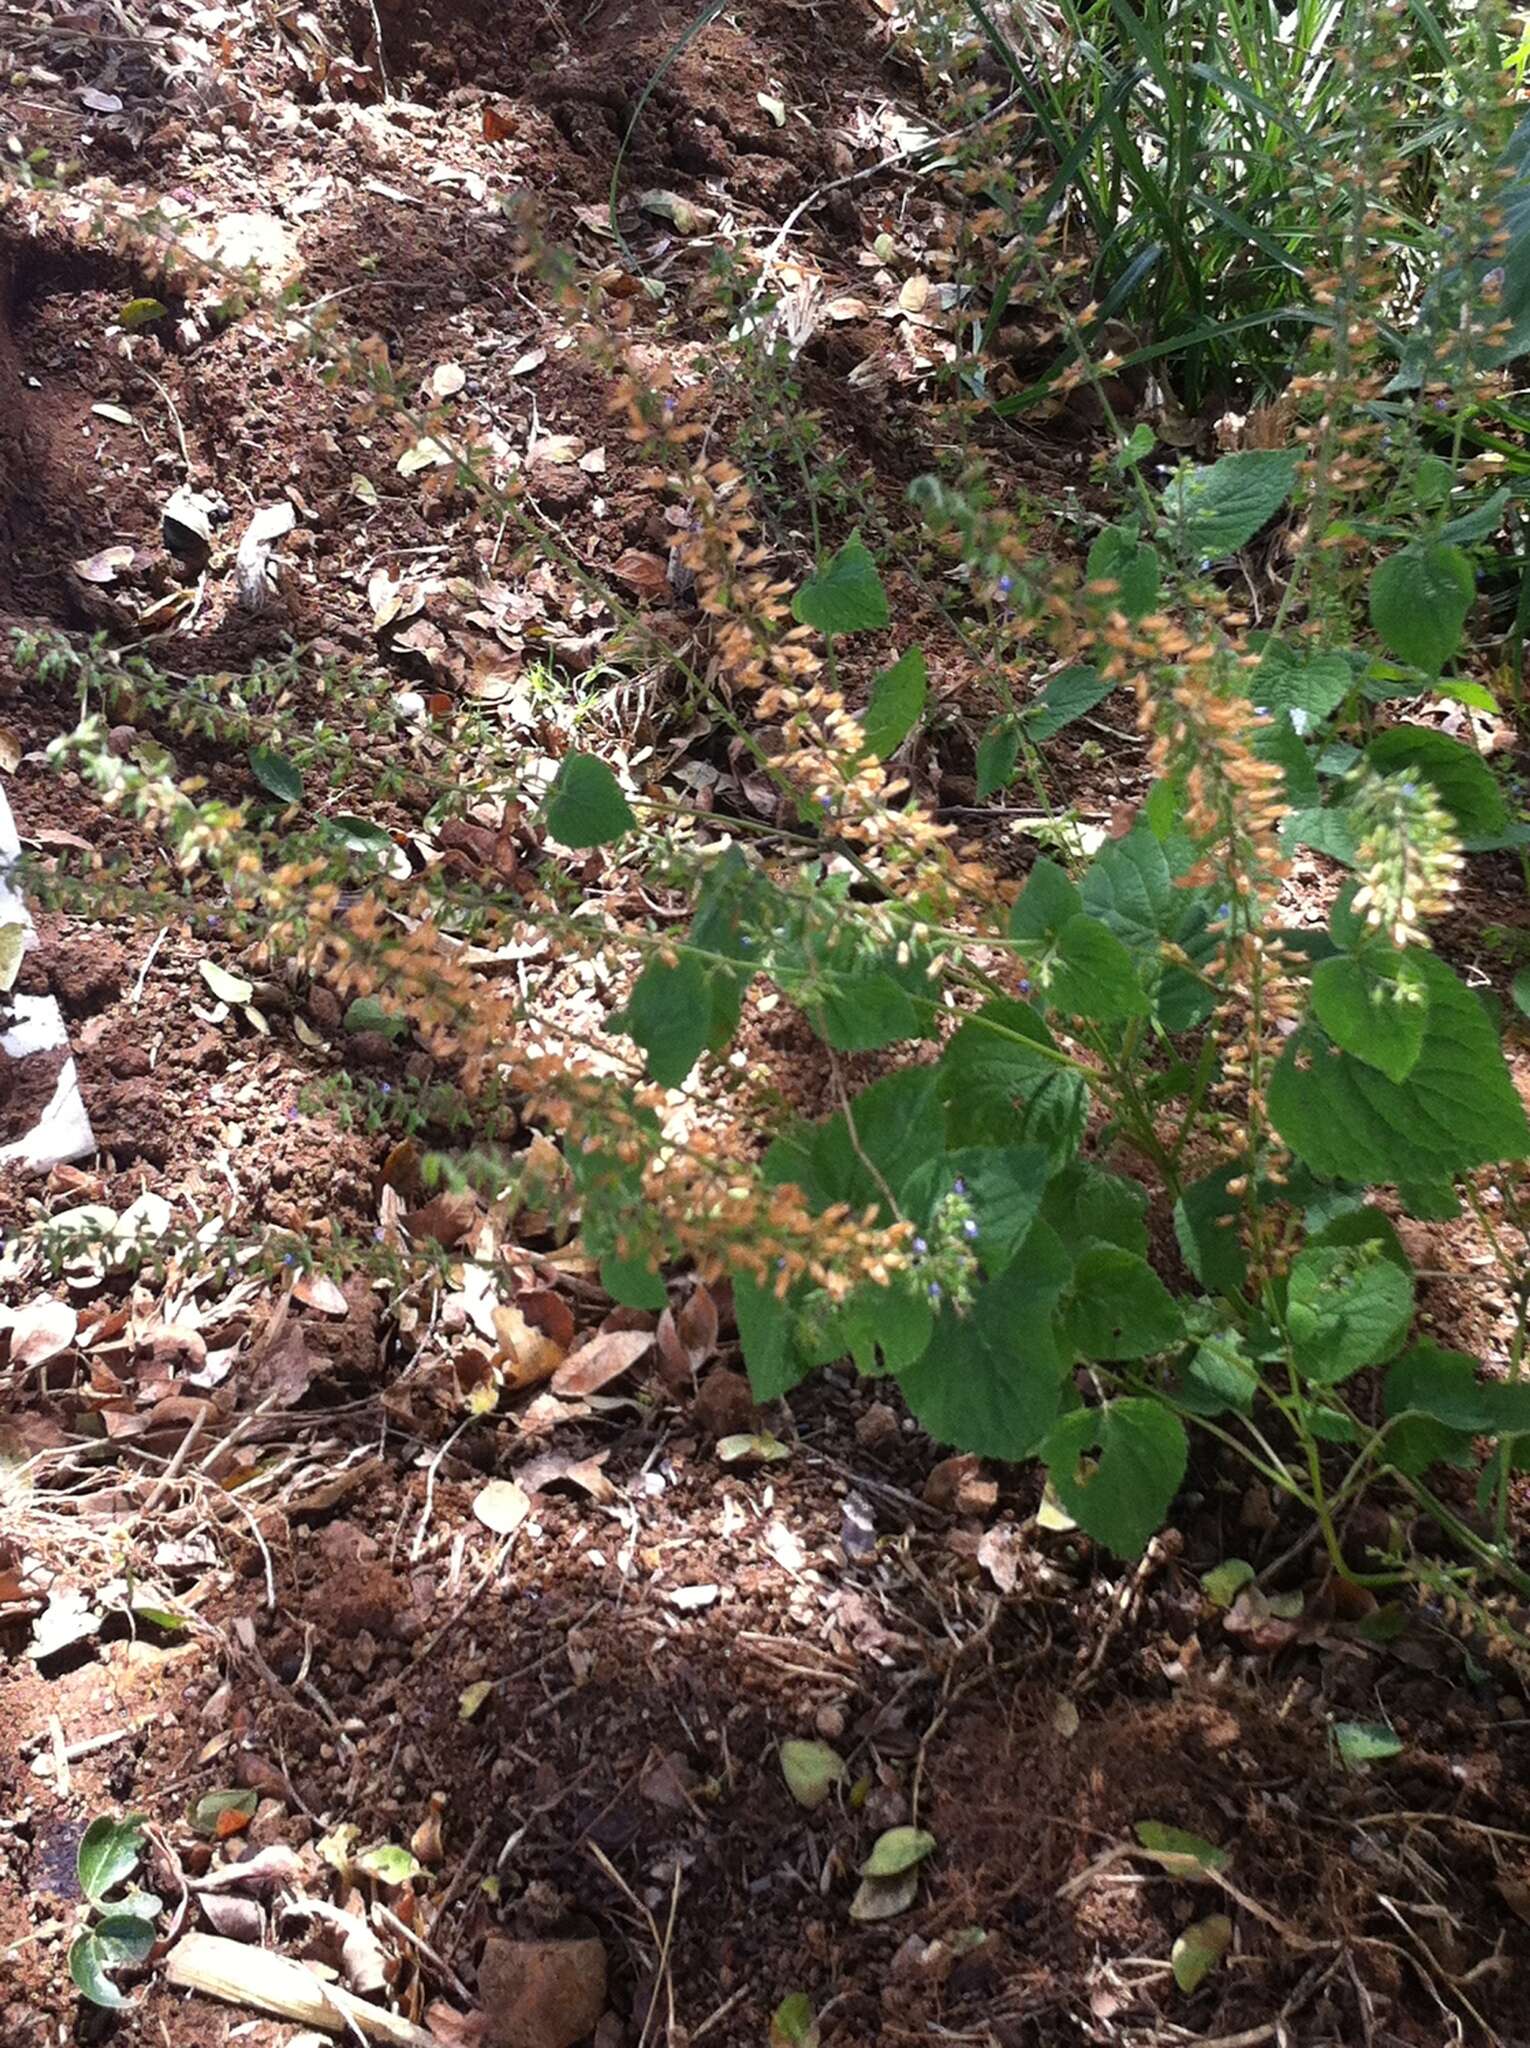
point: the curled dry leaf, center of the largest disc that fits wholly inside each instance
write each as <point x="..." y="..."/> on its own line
<point x="236" y="1918"/>
<point x="102" y="567"/>
<point x="602" y="1360"/>
<point x="548" y="1312"/>
<point x="526" y="1355"/>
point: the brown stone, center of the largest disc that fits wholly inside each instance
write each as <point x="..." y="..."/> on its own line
<point x="541" y="1994"/>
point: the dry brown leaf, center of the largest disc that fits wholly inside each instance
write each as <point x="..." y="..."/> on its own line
<point x="646" y="573"/>
<point x="448" y="1217"/>
<point x="548" y="1312"/>
<point x="318" y="1291"/>
<point x="557" y="1468"/>
<point x="527" y="1355"/>
<point x="914" y="294"/>
<point x="602" y="1360"/>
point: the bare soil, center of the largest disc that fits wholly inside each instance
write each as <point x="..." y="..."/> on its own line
<point x="660" y="1621"/>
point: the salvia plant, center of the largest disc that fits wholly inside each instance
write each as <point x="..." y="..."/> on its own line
<point x="1131" y="1169"/>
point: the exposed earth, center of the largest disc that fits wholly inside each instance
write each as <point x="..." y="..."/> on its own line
<point x="570" y="1701"/>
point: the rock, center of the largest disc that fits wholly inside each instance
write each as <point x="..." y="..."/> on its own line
<point x="557" y="486"/>
<point x="541" y="1994"/>
<point x="725" y="1406"/>
<point x="957" y="1484"/>
<point x="878" y="1427"/>
<point x="130" y="1062"/>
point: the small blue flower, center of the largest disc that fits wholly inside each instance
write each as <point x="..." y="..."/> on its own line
<point x="1410" y="789"/>
<point x="920" y="1247"/>
<point x="935" y="1291"/>
<point x="969" y="1230"/>
<point x="293" y="1115"/>
<point x="385" y="1087"/>
<point x="1224" y="910"/>
<point x="1005" y="585"/>
<point x="958" y="1186"/>
<point x="1025" y="984"/>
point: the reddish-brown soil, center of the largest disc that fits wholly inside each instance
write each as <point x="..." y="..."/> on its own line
<point x="660" y="1621"/>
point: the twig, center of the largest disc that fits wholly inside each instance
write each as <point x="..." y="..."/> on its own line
<point x="397" y="1926"/>
<point x="148" y="961"/>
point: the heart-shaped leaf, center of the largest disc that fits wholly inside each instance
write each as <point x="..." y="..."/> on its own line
<point x="274" y="772"/>
<point x="119" y="1938"/>
<point x="385" y="1860"/>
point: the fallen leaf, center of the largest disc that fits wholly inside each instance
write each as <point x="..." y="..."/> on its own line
<point x="447" y="379"/>
<point x="1179" y="1852"/>
<point x="603" y="1359"/>
<point x="117" y="414"/>
<point x="502" y="1506"/>
<point x="999" y="1552"/>
<point x="883" y="1898"/>
<point x="897" y="1850"/>
<point x="811" y="1771"/>
<point x="527" y="1355"/>
<point x="689" y="1598"/>
<point x="645" y="573"/>
<point x="774" y="107"/>
<point x="914" y="294"/>
<point x="318" y="1291"/>
<point x="1199" y="1949"/>
<point x="228" y="988"/>
<point x="671" y="206"/>
<point x="533" y="359"/>
<point x="472" y="1697"/>
<point x="41" y="1330"/>
<point x="102" y="566"/>
<point x="760" y="1449"/>
<point x="496" y="125"/>
<point x="843" y="309"/>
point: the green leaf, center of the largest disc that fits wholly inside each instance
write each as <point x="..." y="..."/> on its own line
<point x="998" y="751"/>
<point x="1419" y="600"/>
<point x="846" y="596"/>
<point x="1220" y="1377"/>
<point x="1118" y="1307"/>
<point x="1067" y="697"/>
<point x="1005" y="1185"/>
<point x="897" y="701"/>
<point x="1519" y="989"/>
<point x="1345" y="1308"/>
<point x="119" y="1938"/>
<point x="811" y="1771"/>
<point x="1366" y="1742"/>
<point x="228" y="988"/>
<point x="1118" y="556"/>
<point x="1466" y="785"/>
<point x="633" y="1282"/>
<point x="1089" y="973"/>
<point x="108" y="1853"/>
<point x="1121" y="1498"/>
<point x="140" y="312"/>
<point x="884" y="1898"/>
<point x="13" y="945"/>
<point x="1206" y="1219"/>
<point x="1212" y="512"/>
<point x="1374" y="1004"/>
<point x="388" y="1863"/>
<point x="995" y="1087"/>
<point x="274" y="772"/>
<point x="585" y="805"/>
<point x="211" y="1807"/>
<point x="1085" y="1202"/>
<point x="1225" y="1581"/>
<point x="668" y="1015"/>
<point x="1435" y="1403"/>
<point x="1457" y="1109"/>
<point x="1311" y="685"/>
<point x="1045" y="905"/>
<point x="990" y="1380"/>
<point x="864" y="1013"/>
<point x="890" y="1130"/>
<point x="1179" y="1852"/>
<point x="764" y="1329"/>
<point x="360" y="835"/>
<point x="897" y="1850"/>
<point x="792" y="2024"/>
<point x="1199" y="1949"/>
<point x="366" y="1013"/>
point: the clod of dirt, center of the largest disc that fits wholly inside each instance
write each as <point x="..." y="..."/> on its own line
<point x="541" y="1994"/>
<point x="725" y="1405"/>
